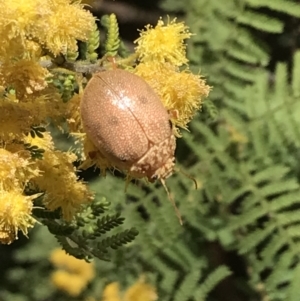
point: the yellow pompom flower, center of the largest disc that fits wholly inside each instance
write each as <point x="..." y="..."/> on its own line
<point x="72" y="284"/>
<point x="15" y="171"/>
<point x="163" y="43"/>
<point x="63" y="189"/>
<point x="112" y="292"/>
<point x="25" y="75"/>
<point x="17" y="117"/>
<point x="58" y="178"/>
<point x="15" y="214"/>
<point x="62" y="30"/>
<point x="181" y="92"/>
<point x="45" y="21"/>
<point x="73" y="113"/>
<point x="73" y="274"/>
<point x="60" y="259"/>
<point x="161" y="51"/>
<point x="28" y="28"/>
<point x="139" y="291"/>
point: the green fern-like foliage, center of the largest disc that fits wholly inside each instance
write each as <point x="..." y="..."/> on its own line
<point x="264" y="225"/>
<point x="273" y="111"/>
<point x="250" y="196"/>
<point x="229" y="44"/>
<point x="245" y="164"/>
<point x="270" y="195"/>
<point x="172" y="256"/>
<point x="91" y="234"/>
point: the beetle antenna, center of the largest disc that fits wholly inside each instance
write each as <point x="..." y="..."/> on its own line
<point x="128" y="180"/>
<point x="189" y="176"/>
<point x="172" y="201"/>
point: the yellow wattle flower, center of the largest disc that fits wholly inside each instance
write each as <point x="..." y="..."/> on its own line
<point x="62" y="32"/>
<point x="163" y="43"/>
<point x="140" y="291"/>
<point x="63" y="189"/>
<point x="161" y="51"/>
<point x="181" y="92"/>
<point x="44" y="21"/>
<point x="60" y="259"/>
<point x="72" y="274"/>
<point x="72" y="284"/>
<point x="17" y="116"/>
<point x="15" y="214"/>
<point x="28" y="30"/>
<point x="111" y="292"/>
<point x="15" y="170"/>
<point x="25" y="75"/>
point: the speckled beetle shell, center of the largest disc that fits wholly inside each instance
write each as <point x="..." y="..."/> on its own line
<point x="127" y="122"/>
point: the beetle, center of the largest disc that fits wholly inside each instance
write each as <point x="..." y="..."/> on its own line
<point x="127" y="122"/>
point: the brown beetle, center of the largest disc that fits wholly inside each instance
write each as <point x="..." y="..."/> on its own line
<point x="127" y="122"/>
